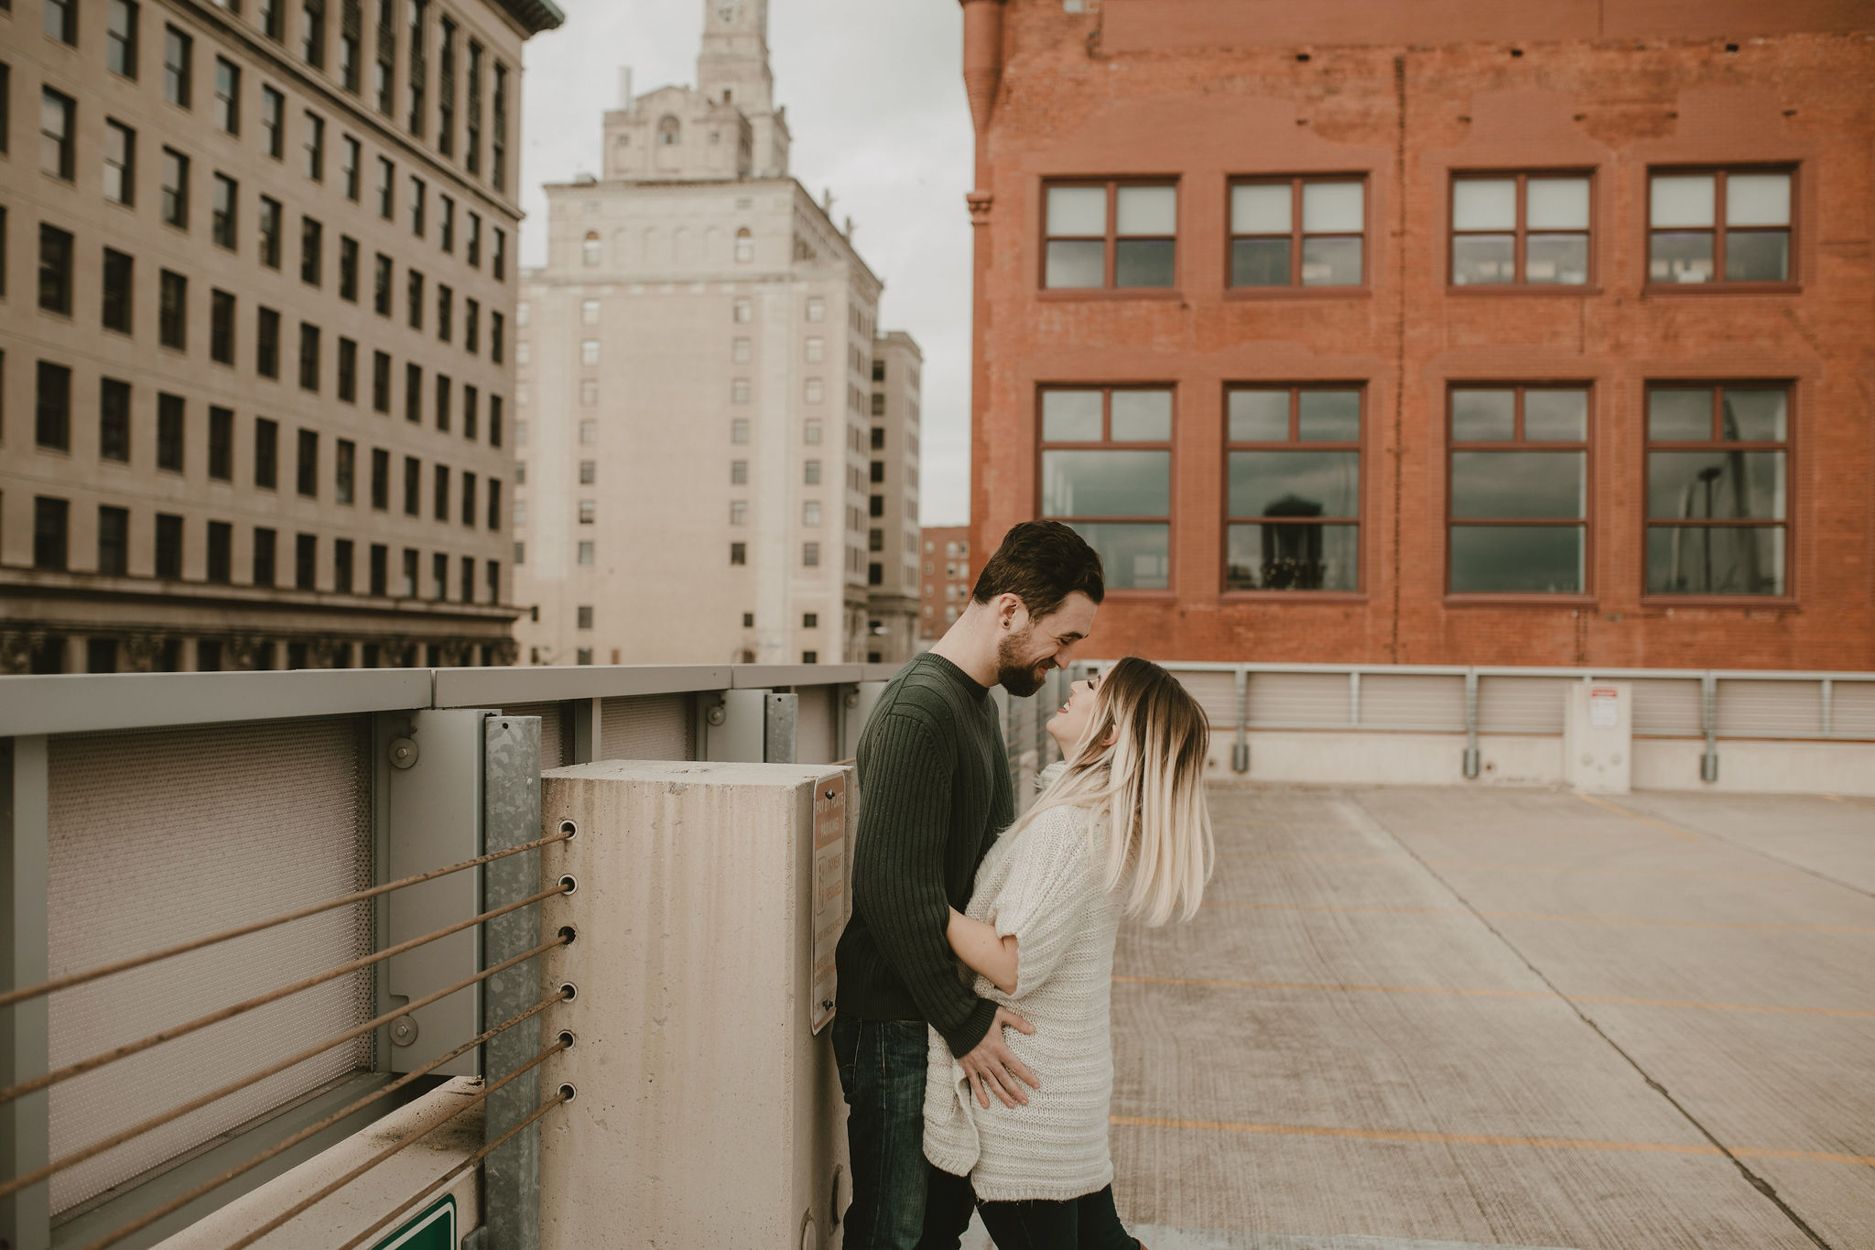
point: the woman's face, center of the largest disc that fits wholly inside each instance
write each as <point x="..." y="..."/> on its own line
<point x="1068" y="725"/>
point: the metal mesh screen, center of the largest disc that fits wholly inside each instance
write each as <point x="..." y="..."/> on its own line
<point x="1413" y="701"/>
<point x="1521" y="705"/>
<point x="1305" y="699"/>
<point x="556" y="745"/>
<point x="647" y="727"/>
<point x="1852" y="708"/>
<point x="813" y="724"/>
<point x="1667" y="708"/>
<point x="1216" y="693"/>
<point x="157" y="837"/>
<point x="1770" y="709"/>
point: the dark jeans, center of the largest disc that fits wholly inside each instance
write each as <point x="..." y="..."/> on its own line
<point x="1087" y="1223"/>
<point x="882" y="1073"/>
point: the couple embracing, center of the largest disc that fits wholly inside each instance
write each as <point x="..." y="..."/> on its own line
<point x="975" y="974"/>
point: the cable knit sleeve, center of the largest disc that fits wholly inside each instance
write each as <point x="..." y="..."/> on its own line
<point x="1046" y="898"/>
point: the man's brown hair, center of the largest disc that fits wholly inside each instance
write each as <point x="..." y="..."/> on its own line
<point x="1041" y="563"/>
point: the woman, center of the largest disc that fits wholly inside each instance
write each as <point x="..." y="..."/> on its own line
<point x="1121" y="829"/>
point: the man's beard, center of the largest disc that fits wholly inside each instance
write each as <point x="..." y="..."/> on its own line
<point x="1019" y="679"/>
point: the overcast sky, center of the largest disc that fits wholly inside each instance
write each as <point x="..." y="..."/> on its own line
<point x="876" y="107"/>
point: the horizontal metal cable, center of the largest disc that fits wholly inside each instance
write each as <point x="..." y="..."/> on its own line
<point x="174" y="1113"/>
<point x="176" y="1204"/>
<point x="194" y="944"/>
<point x="313" y="1199"/>
<point x="458" y="1170"/>
<point x="228" y="1013"/>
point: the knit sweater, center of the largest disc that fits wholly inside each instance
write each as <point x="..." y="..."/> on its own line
<point x="934" y="790"/>
<point x="1043" y="886"/>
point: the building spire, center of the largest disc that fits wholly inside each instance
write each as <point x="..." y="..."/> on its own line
<point x="732" y="67"/>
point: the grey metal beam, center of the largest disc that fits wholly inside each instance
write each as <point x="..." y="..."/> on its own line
<point x="83" y="702"/>
<point x="765" y="676"/>
<point x="500" y="687"/>
<point x="25" y="1217"/>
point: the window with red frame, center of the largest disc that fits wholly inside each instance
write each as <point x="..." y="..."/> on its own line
<point x="1107" y="471"/>
<point x="1518" y="460"/>
<point x="1717" y="488"/>
<point x="1293" y="497"/>
<point x="1110" y="234"/>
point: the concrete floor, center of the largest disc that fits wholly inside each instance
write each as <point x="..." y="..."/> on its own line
<point x="1439" y="1018"/>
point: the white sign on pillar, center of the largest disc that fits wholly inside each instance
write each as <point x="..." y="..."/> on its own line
<point x="1598" y="737"/>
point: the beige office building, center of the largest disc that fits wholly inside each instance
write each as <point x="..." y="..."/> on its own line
<point x="257" y="312"/>
<point x="892" y="533"/>
<point x="694" y="438"/>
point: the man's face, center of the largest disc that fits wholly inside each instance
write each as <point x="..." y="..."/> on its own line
<point x="1030" y="648"/>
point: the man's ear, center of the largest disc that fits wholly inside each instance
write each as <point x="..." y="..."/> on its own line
<point x="1009" y="609"/>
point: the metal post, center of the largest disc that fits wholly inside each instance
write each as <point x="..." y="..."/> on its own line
<point x="1354" y="697"/>
<point x="1829" y="714"/>
<point x="511" y="816"/>
<point x="1709" y="717"/>
<point x="1471" y="724"/>
<point x="1240" y="753"/>
<point x="588" y="730"/>
<point x="780" y="714"/>
<point x="25" y="1217"/>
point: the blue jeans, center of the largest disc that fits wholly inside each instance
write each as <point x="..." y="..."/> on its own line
<point x="882" y="1074"/>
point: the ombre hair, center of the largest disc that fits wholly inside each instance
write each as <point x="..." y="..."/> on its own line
<point x="1140" y="765"/>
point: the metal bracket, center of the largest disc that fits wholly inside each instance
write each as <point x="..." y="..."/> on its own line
<point x="741" y="733"/>
<point x="1709" y="721"/>
<point x="1240" y="753"/>
<point x="780" y="714"/>
<point x="1472" y="758"/>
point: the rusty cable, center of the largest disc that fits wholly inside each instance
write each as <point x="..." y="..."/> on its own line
<point x="11" y="997"/>
<point x="228" y="1013"/>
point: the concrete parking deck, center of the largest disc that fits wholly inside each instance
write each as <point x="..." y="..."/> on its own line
<point x="1441" y="1018"/>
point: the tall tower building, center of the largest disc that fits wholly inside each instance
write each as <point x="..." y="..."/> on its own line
<point x="694" y="446"/>
<point x="892" y="506"/>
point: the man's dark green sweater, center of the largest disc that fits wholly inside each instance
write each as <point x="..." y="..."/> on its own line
<point x="934" y="792"/>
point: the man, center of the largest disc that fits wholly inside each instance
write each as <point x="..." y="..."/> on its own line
<point x="934" y="792"/>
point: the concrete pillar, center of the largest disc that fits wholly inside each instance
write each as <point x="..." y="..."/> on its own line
<point x="707" y="1110"/>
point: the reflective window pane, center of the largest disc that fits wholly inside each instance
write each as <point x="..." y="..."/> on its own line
<point x="1071" y="416"/>
<point x="1292" y="557"/>
<point x="1328" y="416"/>
<point x="1517" y="559"/>
<point x="1259" y="262"/>
<point x="1748" y="416"/>
<point x="1556" y="204"/>
<point x="1132" y="556"/>
<point x="1757" y="200"/>
<point x="1555" y="416"/>
<point x="1715" y="560"/>
<point x="1331" y="262"/>
<point x="1259" y="416"/>
<point x="1332" y="208"/>
<point x="1262" y="208"/>
<point x="1295" y="484"/>
<point x="1106" y="483"/>
<point x="1484" y="204"/>
<point x="1715" y="484"/>
<point x="1143" y="262"/>
<point x="1484" y="416"/>
<point x="1519" y="484"/>
<point x="1142" y="416"/>
<point x="1077" y="210"/>
<point x="1681" y="200"/>
<point x="1076" y="263"/>
<point x="1678" y="416"/>
<point x="1757" y="256"/>
<point x="1558" y="258"/>
<point x="1479" y="259"/>
<point x="1146" y="210"/>
<point x="1679" y="257"/>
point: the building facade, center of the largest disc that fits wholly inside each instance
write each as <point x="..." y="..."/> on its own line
<point x="1360" y="333"/>
<point x="947" y="579"/>
<point x="694" y="453"/>
<point x="892" y="503"/>
<point x="255" y="338"/>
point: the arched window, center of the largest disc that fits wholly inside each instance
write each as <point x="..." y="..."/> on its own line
<point x="589" y="250"/>
<point x="670" y="131"/>
<point x="745" y="246"/>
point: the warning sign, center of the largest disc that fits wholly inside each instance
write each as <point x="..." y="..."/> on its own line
<point x="829" y="890"/>
<point x="1604" y="704"/>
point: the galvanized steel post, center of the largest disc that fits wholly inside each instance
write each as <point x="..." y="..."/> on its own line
<point x="1471" y="724"/>
<point x="1709" y="720"/>
<point x="1240" y="753"/>
<point x="25" y="1126"/>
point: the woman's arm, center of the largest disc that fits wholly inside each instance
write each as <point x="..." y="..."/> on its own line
<point x="982" y="951"/>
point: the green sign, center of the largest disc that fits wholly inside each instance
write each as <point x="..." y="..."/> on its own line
<point x="435" y="1229"/>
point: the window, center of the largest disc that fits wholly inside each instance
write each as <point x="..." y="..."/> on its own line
<point x="738" y="512"/>
<point x="266" y="453"/>
<point x="816" y="309"/>
<point x="169" y="432"/>
<point x="498" y="260"/>
<point x="497" y="333"/>
<point x="175" y="188"/>
<point x="1294" y="489"/>
<point x="585" y="556"/>
<point x="446" y="223"/>
<point x="813" y="391"/>
<point x="494" y="420"/>
<point x="743" y="310"/>
<point x="220" y="552"/>
<point x="269" y="232"/>
<point x="810" y="433"/>
<point x="221" y="444"/>
<point x="345" y="465"/>
<point x="745" y="246"/>
<point x="380" y="479"/>
<point x="117" y="291"/>
<point x="588" y="472"/>
<point x="1519" y="478"/>
<point x="168" y="545"/>
<point x="311" y="245"/>
<point x="221" y="327"/>
<point x="738" y="472"/>
<point x="1106" y="470"/>
<point x="878" y="404"/>
<point x="315" y="146"/>
<point x="585" y="616"/>
<point x="1529" y="229"/>
<point x="351" y="32"/>
<point x="227" y="105"/>
<point x="413" y="291"/>
<point x="1295" y="232"/>
<point x="348" y="371"/>
<point x="442" y="402"/>
<point x="172" y="311"/>
<point x="120" y="163"/>
<point x="878" y="438"/>
<point x="418" y="70"/>
<point x="348" y="269"/>
<point x="587" y="511"/>
<point x="342" y="565"/>
<point x="810" y="472"/>
<point x="589" y="354"/>
<point x="380" y="569"/>
<point x="308" y="357"/>
<point x="738" y="388"/>
<point x="381" y="285"/>
<point x="1717" y="489"/>
<point x="1719" y="226"/>
<point x="178" y="59"/>
<point x="878" y="371"/>
<point x="267" y="343"/>
<point x="468" y="499"/>
<point x="1111" y="235"/>
<point x="386" y="71"/>
<point x="264" y="541"/>
<point x="387" y="187"/>
<point x="55" y="270"/>
<point x="413" y="392"/>
<point x="494" y="504"/>
<point x="498" y="139"/>
<point x="810" y="657"/>
<point x="224" y="212"/>
<point x="409" y="586"/>
<point x="446" y="89"/>
<point x="381" y="382"/>
<point x="413" y="486"/>
<point x="472" y="123"/>
<point x="810" y="555"/>
<point x="445" y="312"/>
<point x="55" y="132"/>
<point x="810" y="620"/>
<point x="272" y="16"/>
<point x="114" y="420"/>
<point x="305" y="562"/>
<point x="469" y="397"/>
<point x="810" y="514"/>
<point x="60" y="18"/>
<point x="51" y="527"/>
<point x="349" y="156"/>
<point x="273" y="122"/>
<point x="875" y="506"/>
<point x="878" y="471"/>
<point x="417" y="190"/>
<point x="313" y="33"/>
<point x="589" y="433"/>
<point x="589" y="250"/>
<point x="738" y="553"/>
<point x="441" y="495"/>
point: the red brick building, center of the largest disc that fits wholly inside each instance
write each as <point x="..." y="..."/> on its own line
<point x="1359" y="331"/>
<point x="946" y="578"/>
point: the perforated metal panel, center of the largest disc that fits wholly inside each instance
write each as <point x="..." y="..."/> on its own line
<point x="648" y="727"/>
<point x="1299" y="699"/>
<point x="1770" y="709"/>
<point x="1420" y="701"/>
<point x="1852" y="708"/>
<point x="1521" y="705"/>
<point x="1667" y="707"/>
<point x="158" y="837"/>
<point x="555" y="742"/>
<point x="1216" y="693"/>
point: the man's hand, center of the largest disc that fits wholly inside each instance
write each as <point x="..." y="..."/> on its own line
<point x="992" y="1066"/>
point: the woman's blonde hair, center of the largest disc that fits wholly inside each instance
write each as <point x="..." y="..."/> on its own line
<point x="1141" y="764"/>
